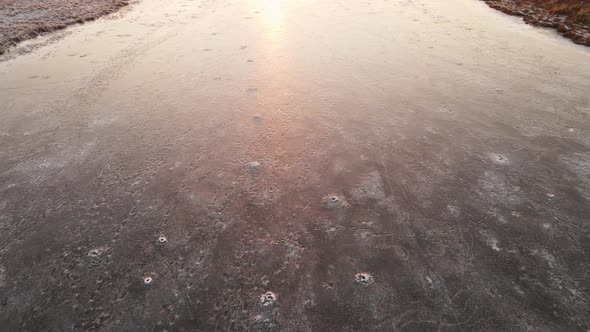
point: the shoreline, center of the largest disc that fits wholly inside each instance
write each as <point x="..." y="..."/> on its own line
<point x="27" y="20"/>
<point x="565" y="21"/>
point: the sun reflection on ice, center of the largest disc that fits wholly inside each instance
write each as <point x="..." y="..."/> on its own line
<point x="273" y="13"/>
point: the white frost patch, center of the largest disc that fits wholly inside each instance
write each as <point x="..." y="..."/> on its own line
<point x="175" y="166"/>
<point x="500" y="218"/>
<point x="496" y="188"/>
<point x="491" y="241"/>
<point x="550" y="259"/>
<point x="454" y="210"/>
<point x="75" y="155"/>
<point x="101" y="122"/>
<point x="2" y="276"/>
<point x="268" y="298"/>
<point x="579" y="163"/>
<point x="499" y="159"/>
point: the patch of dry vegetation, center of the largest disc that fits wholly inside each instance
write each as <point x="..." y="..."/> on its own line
<point x="571" y="18"/>
<point x="576" y="10"/>
<point x="24" y="19"/>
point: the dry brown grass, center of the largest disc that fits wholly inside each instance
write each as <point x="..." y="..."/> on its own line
<point x="577" y="10"/>
<point x="23" y="19"/>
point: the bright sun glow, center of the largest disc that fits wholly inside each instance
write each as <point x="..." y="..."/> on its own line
<point x="273" y="13"/>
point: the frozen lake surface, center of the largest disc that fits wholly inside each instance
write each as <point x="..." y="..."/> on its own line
<point x="333" y="165"/>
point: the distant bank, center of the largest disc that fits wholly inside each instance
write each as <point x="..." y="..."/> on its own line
<point x="571" y="18"/>
<point x="25" y="19"/>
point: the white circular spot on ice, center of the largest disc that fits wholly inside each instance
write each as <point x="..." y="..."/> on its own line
<point x="499" y="158"/>
<point x="268" y="298"/>
<point x="364" y="278"/>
